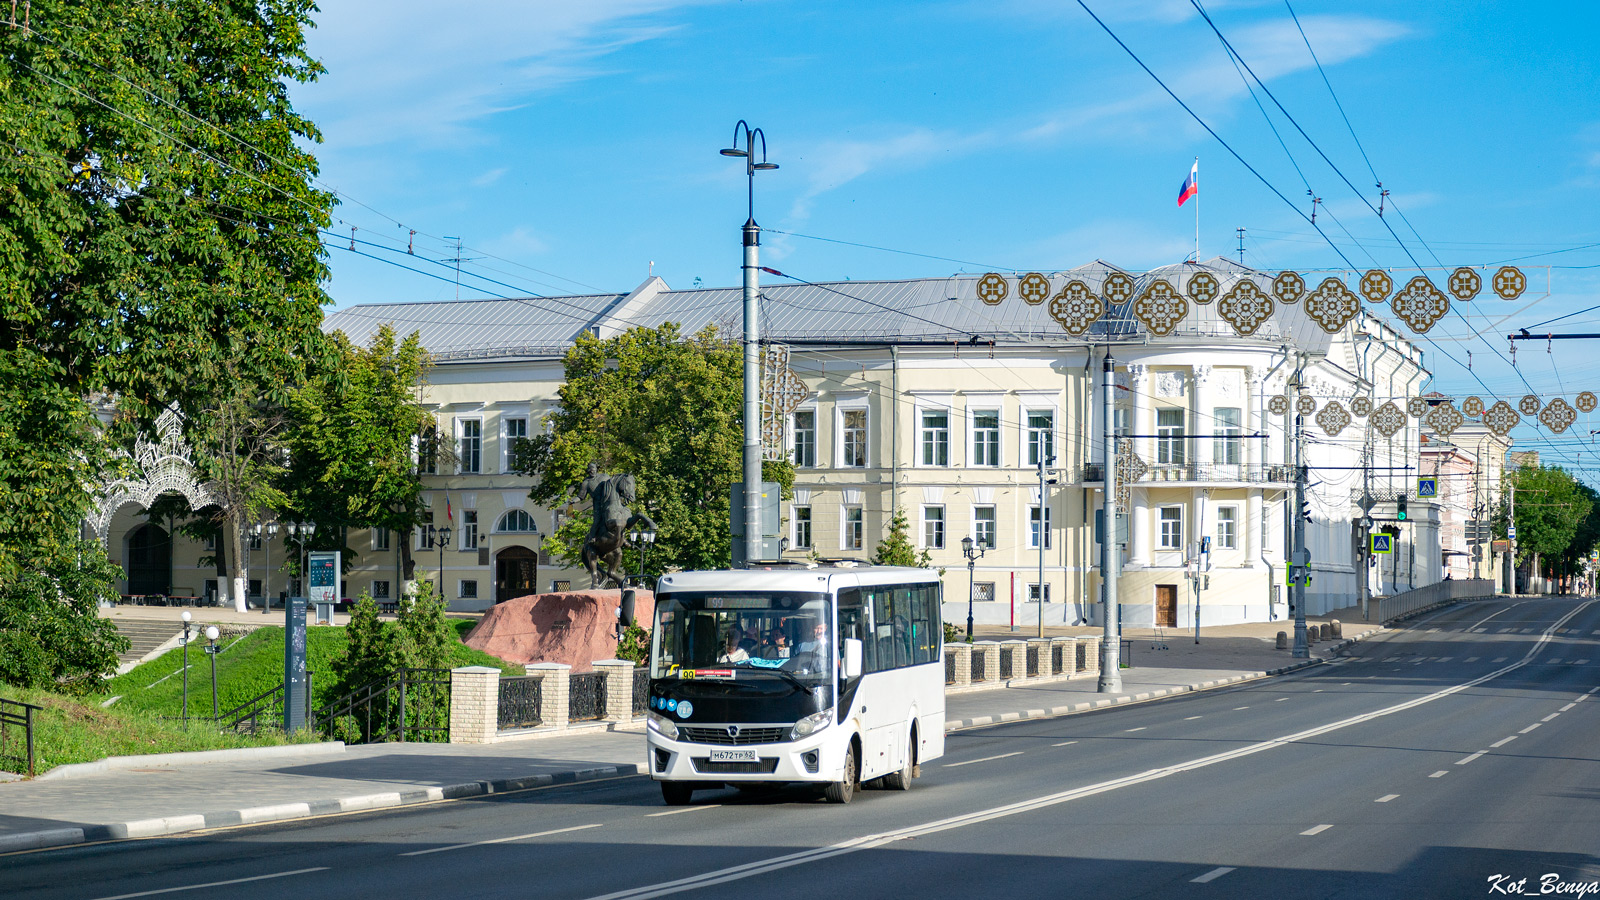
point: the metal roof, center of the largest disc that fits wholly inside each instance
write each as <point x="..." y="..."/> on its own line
<point x="480" y="329"/>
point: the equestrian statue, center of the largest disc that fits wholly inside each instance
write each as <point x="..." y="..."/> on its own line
<point x="612" y="520"/>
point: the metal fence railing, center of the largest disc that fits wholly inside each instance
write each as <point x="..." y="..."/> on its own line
<point x="1033" y="661"/>
<point x="641" y="690"/>
<point x="586" y="697"/>
<point x="407" y="705"/>
<point x="949" y="669"/>
<point x="1005" y="664"/>
<point x="521" y="701"/>
<point x="14" y="715"/>
<point x="978" y="672"/>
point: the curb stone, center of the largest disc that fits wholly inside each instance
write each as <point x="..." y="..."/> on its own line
<point x="281" y="812"/>
<point x="193" y="757"/>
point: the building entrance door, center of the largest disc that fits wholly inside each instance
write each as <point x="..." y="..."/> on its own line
<point x="1167" y="605"/>
<point x="516" y="573"/>
<point x="149" y="560"/>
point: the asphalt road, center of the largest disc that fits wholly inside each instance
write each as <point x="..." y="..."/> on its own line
<point x="1425" y="765"/>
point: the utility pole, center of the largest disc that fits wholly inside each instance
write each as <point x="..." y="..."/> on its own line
<point x="1111" y="642"/>
<point x="1044" y="526"/>
<point x="1511" y="535"/>
<point x="1299" y="565"/>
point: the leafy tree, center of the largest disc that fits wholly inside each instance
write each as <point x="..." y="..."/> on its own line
<point x="1549" y="509"/>
<point x="352" y="436"/>
<point x="896" y="548"/>
<point x="50" y="634"/>
<point x="665" y="408"/>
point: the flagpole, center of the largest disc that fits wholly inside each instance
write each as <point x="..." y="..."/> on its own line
<point x="1197" y="210"/>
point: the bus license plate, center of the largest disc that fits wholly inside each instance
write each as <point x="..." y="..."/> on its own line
<point x="734" y="756"/>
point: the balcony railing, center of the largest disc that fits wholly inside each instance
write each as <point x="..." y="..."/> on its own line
<point x="1200" y="472"/>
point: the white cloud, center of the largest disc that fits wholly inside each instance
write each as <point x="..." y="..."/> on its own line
<point x="518" y="242"/>
<point x="409" y="72"/>
<point x="490" y="177"/>
<point x="833" y="164"/>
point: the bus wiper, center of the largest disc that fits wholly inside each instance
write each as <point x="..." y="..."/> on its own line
<point x="789" y="677"/>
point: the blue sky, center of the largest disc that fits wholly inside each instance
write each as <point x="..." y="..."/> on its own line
<point x="570" y="145"/>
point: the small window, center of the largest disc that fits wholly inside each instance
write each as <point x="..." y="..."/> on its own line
<point x="468" y="589"/>
<point x="853" y="532"/>
<point x="1033" y="527"/>
<point x="1169" y="437"/>
<point x="805" y="439"/>
<point x="1228" y="527"/>
<point x="255" y="587"/>
<point x="1034" y="592"/>
<point x="986" y="437"/>
<point x="380" y="538"/>
<point x="380" y="590"/>
<point x="560" y="585"/>
<point x="255" y="542"/>
<point x="516" y="521"/>
<point x="1171" y="537"/>
<point x="855" y="438"/>
<point x="1041" y="436"/>
<point x="935" y="437"/>
<point x="983" y="591"/>
<point x="469" y="529"/>
<point x="933" y="527"/>
<point x="802" y="527"/>
<point x="516" y="435"/>
<point x="428" y="450"/>
<point x="470" y="445"/>
<point x="1227" y="445"/>
<point x="983" y="526"/>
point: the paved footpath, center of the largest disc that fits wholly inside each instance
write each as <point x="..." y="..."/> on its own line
<point x="173" y="793"/>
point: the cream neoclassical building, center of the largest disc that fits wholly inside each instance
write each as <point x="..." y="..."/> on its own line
<point x="922" y="398"/>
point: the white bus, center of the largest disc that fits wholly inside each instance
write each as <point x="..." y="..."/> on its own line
<point x="827" y="674"/>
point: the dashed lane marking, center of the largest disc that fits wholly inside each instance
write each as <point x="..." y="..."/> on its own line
<point x="1063" y="743"/>
<point x="1237" y="708"/>
<point x="985" y="759"/>
<point x="679" y="812"/>
<point x="1440" y="774"/>
<point x="1280" y="699"/>
<point x="1568" y="706"/>
<point x="1212" y="875"/>
<point x="517" y="837"/>
<point x="1130" y="730"/>
<point x="1192" y="718"/>
<point x="1502" y="742"/>
<point x="197" y="887"/>
<point x="1551" y="716"/>
<point x="1385" y="798"/>
<point x="1466" y="759"/>
<point x="1530" y="728"/>
<point x="1317" y="830"/>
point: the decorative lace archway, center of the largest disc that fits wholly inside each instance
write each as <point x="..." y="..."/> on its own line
<point x="157" y="468"/>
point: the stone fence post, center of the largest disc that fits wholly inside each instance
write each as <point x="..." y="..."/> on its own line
<point x="474" y="704"/>
<point x="1040" y="647"/>
<point x="1069" y="655"/>
<point x="960" y="656"/>
<point x="1017" y="655"/>
<point x="554" y="693"/>
<point x="1091" y="652"/>
<point x="619" y="688"/>
<point x="989" y="651"/>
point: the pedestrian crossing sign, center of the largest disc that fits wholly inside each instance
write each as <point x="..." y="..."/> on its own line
<point x="1427" y="487"/>
<point x="1382" y="543"/>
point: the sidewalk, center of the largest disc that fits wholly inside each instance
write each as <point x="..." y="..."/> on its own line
<point x="173" y="793"/>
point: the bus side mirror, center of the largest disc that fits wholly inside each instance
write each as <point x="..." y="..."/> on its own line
<point x="852" y="658"/>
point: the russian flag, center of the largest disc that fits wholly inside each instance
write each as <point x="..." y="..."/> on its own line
<point x="1191" y="185"/>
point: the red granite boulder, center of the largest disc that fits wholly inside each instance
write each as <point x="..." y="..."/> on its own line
<point x="571" y="627"/>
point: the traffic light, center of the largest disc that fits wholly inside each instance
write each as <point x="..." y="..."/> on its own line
<point x="1400" y="507"/>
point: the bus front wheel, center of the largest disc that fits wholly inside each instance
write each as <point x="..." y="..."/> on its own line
<point x="901" y="780"/>
<point x="676" y="793"/>
<point x="843" y="790"/>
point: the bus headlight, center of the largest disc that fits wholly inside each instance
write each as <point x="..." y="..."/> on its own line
<point x="811" y="724"/>
<point x="663" y="726"/>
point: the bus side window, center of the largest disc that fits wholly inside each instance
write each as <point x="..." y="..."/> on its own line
<point x="919" y="624"/>
<point x="853" y="624"/>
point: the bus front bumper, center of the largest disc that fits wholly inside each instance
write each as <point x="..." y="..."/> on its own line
<point x="816" y="758"/>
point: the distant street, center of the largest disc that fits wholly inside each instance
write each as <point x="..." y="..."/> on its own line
<point x="1427" y="763"/>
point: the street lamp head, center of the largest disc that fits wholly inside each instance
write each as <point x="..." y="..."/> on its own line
<point x="186" y="616"/>
<point x="966" y="546"/>
<point x="309" y="528"/>
<point x="764" y="166"/>
<point x="732" y="151"/>
<point x="444" y="534"/>
<point x="212" y="633"/>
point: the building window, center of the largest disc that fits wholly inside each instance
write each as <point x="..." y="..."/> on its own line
<point x="516" y="521"/>
<point x="986" y="437"/>
<point x="428" y="450"/>
<point x="1169" y="437"/>
<point x="983" y="526"/>
<point x="852" y="533"/>
<point x="1171" y="537"/>
<point x="469" y="529"/>
<point x="933" y="527"/>
<point x="983" y="591"/>
<point x="469" y="446"/>
<point x="468" y="589"/>
<point x="802" y="528"/>
<point x="805" y="439"/>
<point x="255" y="542"/>
<point x="1227" y="527"/>
<point x="211" y="541"/>
<point x="1227" y="444"/>
<point x="255" y="587"/>
<point x="1120" y="419"/>
<point x="855" y="438"/>
<point x="1041" y="436"/>
<point x="1034" y="592"/>
<point x="380" y="539"/>
<point x="515" y="435"/>
<point x="380" y="590"/>
<point x="1033" y="527"/>
<point x="936" y="437"/>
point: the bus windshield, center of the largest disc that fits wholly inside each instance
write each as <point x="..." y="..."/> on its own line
<point x="787" y="632"/>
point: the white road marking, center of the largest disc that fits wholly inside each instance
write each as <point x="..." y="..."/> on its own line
<point x="1344" y="684"/>
<point x="1140" y="728"/>
<point x="1191" y="718"/>
<point x="1466" y="759"/>
<point x="1063" y="743"/>
<point x="1530" y="728"/>
<point x="515" y="837"/>
<point x="871" y="841"/>
<point x="1317" y="830"/>
<point x="1502" y="742"/>
<point x="1581" y="662"/>
<point x="985" y="759"/>
<point x="1500" y="659"/>
<point x="1440" y="774"/>
<point x="1472" y="659"/>
<point x="1444" y="659"/>
<point x="1212" y="875"/>
<point x="1549" y="717"/>
<point x="1317" y="691"/>
<point x="1280" y="699"/>
<point x="1237" y="708"/>
<point x="196" y="887"/>
<point x="688" y="809"/>
<point x="1385" y="798"/>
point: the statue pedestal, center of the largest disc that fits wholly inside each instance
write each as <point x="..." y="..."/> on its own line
<point x="574" y="628"/>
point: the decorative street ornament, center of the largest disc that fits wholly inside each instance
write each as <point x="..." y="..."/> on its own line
<point x="1332" y="305"/>
<point x="1076" y="307"/>
<point x="1306" y="405"/>
<point x="1529" y="405"/>
<point x="1361" y="406"/>
<point x="1387" y="419"/>
<point x="992" y="289"/>
<point x="1472" y="406"/>
<point x="1416" y="407"/>
<point x="782" y="392"/>
<point x="1501" y="418"/>
<point x="1160" y="308"/>
<point x="1130" y="468"/>
<point x="1376" y="285"/>
<point x="1586" y="402"/>
<point x="1444" y="419"/>
<point x="1288" y="287"/>
<point x="164" y="466"/>
<point x="1278" y="405"/>
<point x="1033" y="288"/>
<point x="1557" y="415"/>
<point x="1245" y="307"/>
<point x="1203" y="287"/>
<point x="1420" y="304"/>
<point x="1333" y="418"/>
<point x="1465" y="283"/>
<point x="1117" y="288"/>
<point x="1509" y="282"/>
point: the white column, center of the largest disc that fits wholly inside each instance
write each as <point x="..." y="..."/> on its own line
<point x="1139" y="529"/>
<point x="1143" y="422"/>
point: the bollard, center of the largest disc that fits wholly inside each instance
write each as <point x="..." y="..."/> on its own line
<point x="1283" y="640"/>
<point x="1338" y="628"/>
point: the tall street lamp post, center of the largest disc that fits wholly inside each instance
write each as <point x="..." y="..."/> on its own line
<point x="442" y="535"/>
<point x="300" y="533"/>
<point x="267" y="532"/>
<point x="185" y="639"/>
<point x="753" y="525"/>
<point x="973" y="553"/>
<point x="643" y="539"/>
<point x="211" y="651"/>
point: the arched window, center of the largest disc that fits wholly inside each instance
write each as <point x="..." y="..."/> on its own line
<point x="516" y="521"/>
